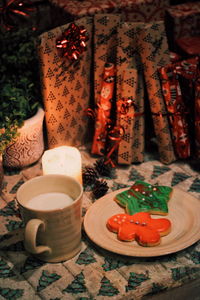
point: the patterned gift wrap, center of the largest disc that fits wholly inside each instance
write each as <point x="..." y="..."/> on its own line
<point x="105" y="45"/>
<point x="66" y="89"/>
<point x="182" y="20"/>
<point x="176" y="109"/>
<point x="130" y="97"/>
<point x="197" y="118"/>
<point x="189" y="72"/>
<point x="104" y="107"/>
<point x="137" y="10"/>
<point x="153" y="49"/>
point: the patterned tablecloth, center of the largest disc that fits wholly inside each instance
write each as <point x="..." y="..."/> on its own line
<point x="94" y="273"/>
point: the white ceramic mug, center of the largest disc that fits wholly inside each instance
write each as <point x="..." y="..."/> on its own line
<point x="50" y="206"/>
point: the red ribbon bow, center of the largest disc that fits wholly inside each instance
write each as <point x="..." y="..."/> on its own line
<point x="73" y="41"/>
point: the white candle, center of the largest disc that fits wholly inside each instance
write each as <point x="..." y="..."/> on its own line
<point x="63" y="160"/>
<point x="49" y="201"/>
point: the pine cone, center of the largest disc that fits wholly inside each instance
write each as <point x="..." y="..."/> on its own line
<point x="90" y="176"/>
<point x="102" y="168"/>
<point x="100" y="188"/>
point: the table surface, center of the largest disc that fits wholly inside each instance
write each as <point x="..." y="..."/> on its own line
<point x="95" y="273"/>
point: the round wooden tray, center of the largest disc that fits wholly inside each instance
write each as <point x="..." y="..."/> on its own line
<point x="183" y="213"/>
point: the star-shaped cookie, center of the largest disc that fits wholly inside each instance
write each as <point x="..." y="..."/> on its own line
<point x="144" y="197"/>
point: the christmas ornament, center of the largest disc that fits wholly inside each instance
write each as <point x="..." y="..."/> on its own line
<point x="73" y="42"/>
<point x="13" y="8"/>
<point x="90" y="176"/>
<point x="100" y="188"/>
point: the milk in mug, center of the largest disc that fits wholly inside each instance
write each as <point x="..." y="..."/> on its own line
<point x="49" y="201"/>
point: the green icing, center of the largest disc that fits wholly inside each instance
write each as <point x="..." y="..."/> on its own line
<point x="143" y="196"/>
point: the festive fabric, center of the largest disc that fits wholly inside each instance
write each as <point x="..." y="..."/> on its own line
<point x="152" y="46"/>
<point x="66" y="88"/>
<point x="104" y="106"/>
<point x="137" y="10"/>
<point x="182" y="20"/>
<point x="95" y="273"/>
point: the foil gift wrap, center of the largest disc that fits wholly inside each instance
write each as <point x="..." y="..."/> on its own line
<point x="103" y="113"/>
<point x="180" y="84"/>
<point x="197" y="118"/>
<point x="176" y="111"/>
<point x="188" y="72"/>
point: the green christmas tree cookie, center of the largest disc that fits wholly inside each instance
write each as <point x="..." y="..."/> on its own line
<point x="144" y="197"/>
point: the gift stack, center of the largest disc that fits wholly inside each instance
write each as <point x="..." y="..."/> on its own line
<point x="136" y="51"/>
<point x="112" y="75"/>
<point x="66" y="82"/>
<point x="137" y="10"/>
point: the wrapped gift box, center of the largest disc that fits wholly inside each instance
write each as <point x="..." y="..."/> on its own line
<point x="66" y="89"/>
<point x="153" y="49"/>
<point x="137" y="50"/>
<point x="137" y="10"/>
<point x="182" y="20"/>
<point x="189" y="45"/>
<point x="180" y="84"/>
<point x="130" y="96"/>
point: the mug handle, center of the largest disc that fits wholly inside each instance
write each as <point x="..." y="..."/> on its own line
<point x="30" y="237"/>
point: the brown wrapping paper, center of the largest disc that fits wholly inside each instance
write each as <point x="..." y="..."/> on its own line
<point x="153" y="48"/>
<point x="105" y="45"/>
<point x="126" y="115"/>
<point x="129" y="87"/>
<point x="66" y="89"/>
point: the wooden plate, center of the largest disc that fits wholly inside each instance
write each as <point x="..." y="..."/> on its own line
<point x="183" y="213"/>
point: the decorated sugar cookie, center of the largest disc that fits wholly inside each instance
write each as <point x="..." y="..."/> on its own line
<point x="145" y="197"/>
<point x="140" y="227"/>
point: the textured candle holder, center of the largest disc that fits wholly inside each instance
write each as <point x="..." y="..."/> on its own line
<point x="29" y="146"/>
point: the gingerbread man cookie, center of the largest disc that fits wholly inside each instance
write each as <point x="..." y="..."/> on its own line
<point x="145" y="197"/>
<point x="140" y="227"/>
